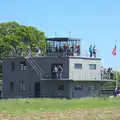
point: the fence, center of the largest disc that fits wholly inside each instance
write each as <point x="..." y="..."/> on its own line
<point x="107" y="92"/>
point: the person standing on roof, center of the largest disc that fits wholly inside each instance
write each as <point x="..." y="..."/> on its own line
<point x="78" y="50"/>
<point x="13" y="51"/>
<point x="94" y="51"/>
<point x="29" y="51"/>
<point x="38" y="51"/>
<point x="91" y="50"/>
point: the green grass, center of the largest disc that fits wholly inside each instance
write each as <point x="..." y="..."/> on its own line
<point x="20" y="106"/>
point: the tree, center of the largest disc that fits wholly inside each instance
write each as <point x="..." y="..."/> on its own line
<point x="14" y="35"/>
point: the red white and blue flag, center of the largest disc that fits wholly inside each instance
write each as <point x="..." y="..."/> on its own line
<point x="114" y="51"/>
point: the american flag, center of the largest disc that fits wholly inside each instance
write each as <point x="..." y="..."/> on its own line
<point x="114" y="51"/>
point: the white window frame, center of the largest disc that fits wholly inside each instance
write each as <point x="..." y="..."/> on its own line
<point x="78" y="87"/>
<point x="22" y="86"/>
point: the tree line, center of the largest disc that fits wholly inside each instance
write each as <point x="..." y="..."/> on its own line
<point x="14" y="35"/>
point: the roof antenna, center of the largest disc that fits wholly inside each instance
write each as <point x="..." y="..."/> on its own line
<point x="69" y="33"/>
<point x="55" y="34"/>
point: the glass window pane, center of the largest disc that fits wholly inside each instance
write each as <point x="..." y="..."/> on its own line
<point x="78" y="66"/>
<point x="92" y="66"/>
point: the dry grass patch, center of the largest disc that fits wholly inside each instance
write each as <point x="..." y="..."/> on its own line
<point x="77" y="114"/>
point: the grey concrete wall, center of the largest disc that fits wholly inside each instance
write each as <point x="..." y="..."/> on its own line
<point x="29" y="76"/>
<point x="14" y="76"/>
<point x="45" y="64"/>
<point x="85" y="90"/>
<point x="84" y="73"/>
<point x="49" y="88"/>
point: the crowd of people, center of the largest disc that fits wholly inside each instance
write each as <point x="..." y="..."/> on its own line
<point x="67" y="50"/>
<point x="107" y="73"/>
<point x="21" y="52"/>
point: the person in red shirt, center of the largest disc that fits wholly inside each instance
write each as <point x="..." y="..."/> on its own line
<point x="78" y="50"/>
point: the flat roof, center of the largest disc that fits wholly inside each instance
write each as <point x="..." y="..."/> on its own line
<point x="63" y="39"/>
<point x="50" y="57"/>
<point x="102" y="80"/>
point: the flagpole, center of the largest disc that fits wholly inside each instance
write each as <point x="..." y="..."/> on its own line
<point x="116" y="79"/>
<point x="116" y="71"/>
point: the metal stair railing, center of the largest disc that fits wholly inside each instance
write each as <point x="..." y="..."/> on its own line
<point x="35" y="66"/>
<point x="34" y="60"/>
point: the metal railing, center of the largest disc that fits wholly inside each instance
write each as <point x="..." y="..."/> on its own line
<point x="34" y="60"/>
<point x="50" y="76"/>
<point x="35" y="66"/>
<point x="107" y="92"/>
<point x="84" y="53"/>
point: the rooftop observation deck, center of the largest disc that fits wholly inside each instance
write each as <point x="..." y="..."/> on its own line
<point x="63" y="46"/>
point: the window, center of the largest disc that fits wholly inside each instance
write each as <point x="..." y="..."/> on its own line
<point x="78" y="87"/>
<point x="61" y="87"/>
<point x="92" y="87"/>
<point x="11" y="86"/>
<point x="22" y="86"/>
<point x="13" y="66"/>
<point x="92" y="66"/>
<point x="78" y="66"/>
<point x="22" y="65"/>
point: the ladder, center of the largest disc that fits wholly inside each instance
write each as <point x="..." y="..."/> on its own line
<point x="32" y="61"/>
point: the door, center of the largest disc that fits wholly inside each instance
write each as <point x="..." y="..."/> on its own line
<point x="37" y="89"/>
<point x="53" y="74"/>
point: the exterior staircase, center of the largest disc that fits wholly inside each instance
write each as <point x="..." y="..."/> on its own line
<point x="32" y="61"/>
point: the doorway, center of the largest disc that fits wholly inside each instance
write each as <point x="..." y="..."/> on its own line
<point x="37" y="89"/>
<point x="53" y="74"/>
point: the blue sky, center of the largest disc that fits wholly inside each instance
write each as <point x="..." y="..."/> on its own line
<point x="95" y="22"/>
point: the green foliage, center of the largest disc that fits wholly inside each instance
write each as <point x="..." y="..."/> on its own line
<point x="109" y="85"/>
<point x="14" y="35"/>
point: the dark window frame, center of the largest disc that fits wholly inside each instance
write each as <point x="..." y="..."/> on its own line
<point x="13" y="66"/>
<point x="23" y="66"/>
<point x="77" y="65"/>
<point x="61" y="87"/>
<point x="11" y="86"/>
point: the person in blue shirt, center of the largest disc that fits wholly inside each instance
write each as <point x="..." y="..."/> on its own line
<point x="91" y="50"/>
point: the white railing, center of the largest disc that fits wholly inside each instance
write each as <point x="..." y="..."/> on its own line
<point x="84" y="53"/>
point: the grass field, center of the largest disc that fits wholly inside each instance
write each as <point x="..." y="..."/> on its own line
<point x="60" y="109"/>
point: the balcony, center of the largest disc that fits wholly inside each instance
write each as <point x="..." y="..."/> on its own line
<point x="48" y="76"/>
<point x="77" y="77"/>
